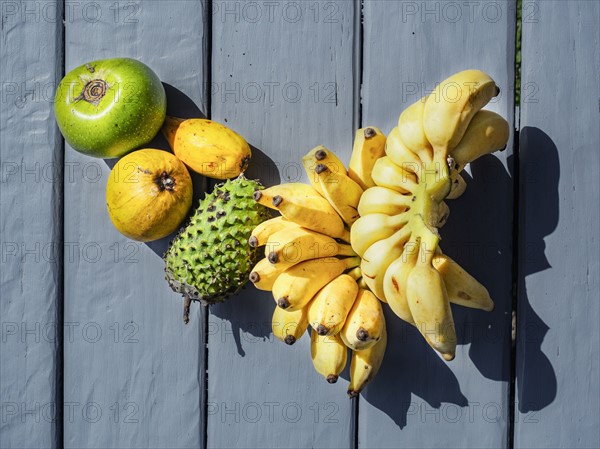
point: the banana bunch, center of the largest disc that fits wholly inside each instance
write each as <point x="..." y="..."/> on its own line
<point x="311" y="268"/>
<point x="403" y="207"/>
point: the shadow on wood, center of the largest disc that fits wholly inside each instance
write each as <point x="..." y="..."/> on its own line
<point x="540" y="173"/>
<point x="475" y="236"/>
<point x="411" y="367"/>
<point x="249" y="313"/>
<point x="263" y="169"/>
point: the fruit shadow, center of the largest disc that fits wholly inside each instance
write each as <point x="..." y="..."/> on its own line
<point x="539" y="212"/>
<point x="482" y="244"/>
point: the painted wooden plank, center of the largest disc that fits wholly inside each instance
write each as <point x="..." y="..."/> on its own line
<point x="31" y="225"/>
<point x="558" y="338"/>
<point x="418" y="400"/>
<point x="134" y="374"/>
<point x="283" y="77"/>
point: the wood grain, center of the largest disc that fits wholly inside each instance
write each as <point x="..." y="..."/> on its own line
<point x="558" y="343"/>
<point x="285" y="82"/>
<point x="31" y="159"/>
<point x="134" y="372"/>
<point x="418" y="400"/>
<point x="285" y="75"/>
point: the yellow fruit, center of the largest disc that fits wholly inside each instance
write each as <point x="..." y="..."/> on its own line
<point x="149" y="193"/>
<point x="207" y="147"/>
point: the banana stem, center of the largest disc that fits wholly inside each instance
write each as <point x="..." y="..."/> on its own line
<point x="355" y="273"/>
<point x="437" y="180"/>
<point x="345" y="236"/>
<point x="345" y="250"/>
<point x="352" y="262"/>
<point x="429" y="242"/>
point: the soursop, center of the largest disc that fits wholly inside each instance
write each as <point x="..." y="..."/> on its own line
<point x="210" y="259"/>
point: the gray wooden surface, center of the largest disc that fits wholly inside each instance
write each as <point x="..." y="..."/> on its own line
<point x="31" y="159"/>
<point x="558" y="345"/>
<point x="261" y="392"/>
<point x="287" y="76"/>
<point x="133" y="370"/>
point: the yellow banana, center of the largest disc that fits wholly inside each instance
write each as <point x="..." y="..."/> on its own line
<point x="207" y="147"/>
<point x="362" y="284"/>
<point x="365" y="364"/>
<point x="328" y="310"/>
<point x="321" y="155"/>
<point x="428" y="299"/>
<point x="394" y="281"/>
<point x="261" y="233"/>
<point x="303" y="205"/>
<point x="387" y="174"/>
<point x="378" y="257"/>
<point x="341" y="192"/>
<point x="264" y="274"/>
<point x="369" y="145"/>
<point x="381" y="200"/>
<point x="452" y="105"/>
<point x="365" y="322"/>
<point x="459" y="186"/>
<point x="371" y="228"/>
<point x="487" y="132"/>
<point x="329" y="355"/>
<point x="462" y="288"/>
<point x="298" y="244"/>
<point x="289" y="327"/>
<point x="295" y="287"/>
<point x="355" y="273"/>
<point x="411" y="132"/>
<point x="398" y="152"/>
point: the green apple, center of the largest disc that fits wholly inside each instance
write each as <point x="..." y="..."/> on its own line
<point x="110" y="107"/>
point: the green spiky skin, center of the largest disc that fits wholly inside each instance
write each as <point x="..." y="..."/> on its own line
<point x="211" y="259"/>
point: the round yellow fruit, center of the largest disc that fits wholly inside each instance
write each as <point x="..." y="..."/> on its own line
<point x="148" y="195"/>
<point x="207" y="147"/>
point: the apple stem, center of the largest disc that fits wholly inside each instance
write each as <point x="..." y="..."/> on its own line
<point x="94" y="91"/>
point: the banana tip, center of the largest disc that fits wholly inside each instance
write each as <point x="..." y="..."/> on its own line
<point x="321" y="168"/>
<point x="253" y="242"/>
<point x="289" y="340"/>
<point x="257" y="195"/>
<point x="448" y="356"/>
<point x="362" y="334"/>
<point x="353" y="393"/>
<point x="322" y="330"/>
<point x="277" y="200"/>
<point x="320" y="155"/>
<point x="332" y="378"/>
<point x="283" y="303"/>
<point x="369" y="133"/>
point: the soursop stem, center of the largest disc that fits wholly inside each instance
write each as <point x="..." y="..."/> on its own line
<point x="187" y="302"/>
